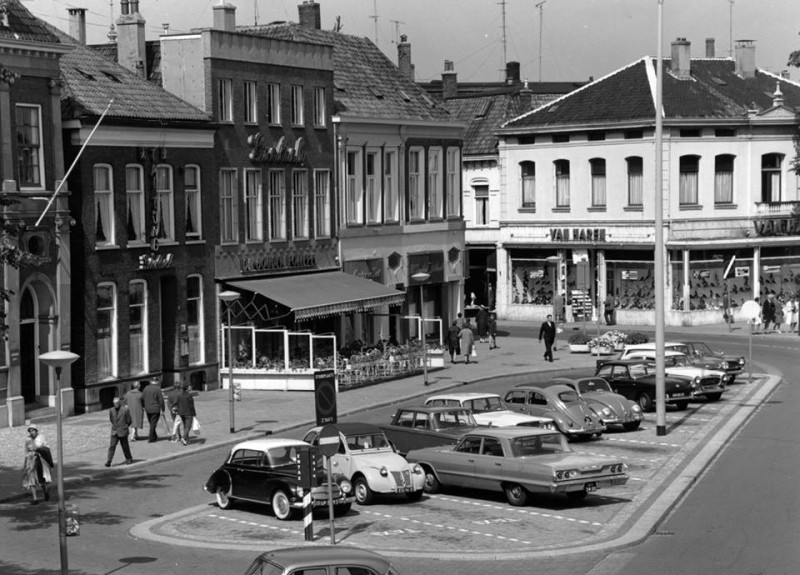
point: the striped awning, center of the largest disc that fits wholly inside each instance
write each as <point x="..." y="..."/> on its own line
<point x="323" y="294"/>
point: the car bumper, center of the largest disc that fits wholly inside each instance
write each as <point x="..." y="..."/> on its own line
<point x="386" y="485"/>
<point x="616" y="420"/>
<point x="317" y="501"/>
<point x="589" y="430"/>
<point x="709" y="389"/>
<point x="588" y="484"/>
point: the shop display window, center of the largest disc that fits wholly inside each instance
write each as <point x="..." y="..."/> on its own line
<point x="532" y="282"/>
<point x="780" y="275"/>
<point x="632" y="283"/>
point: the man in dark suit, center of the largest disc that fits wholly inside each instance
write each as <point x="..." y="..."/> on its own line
<point x="548" y="333"/>
<point x="120" y="418"/>
<point x="153" y="403"/>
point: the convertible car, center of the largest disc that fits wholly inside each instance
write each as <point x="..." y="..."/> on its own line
<point x="417" y="427"/>
<point x="517" y="461"/>
<point x="489" y="409"/>
<point x="610" y="407"/>
<point x="636" y="380"/>
<point x="266" y="471"/>
<point x="366" y="458"/>
<point x="570" y="413"/>
<point x="705" y="383"/>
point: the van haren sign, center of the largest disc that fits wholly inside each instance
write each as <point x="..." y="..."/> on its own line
<point x="594" y="235"/>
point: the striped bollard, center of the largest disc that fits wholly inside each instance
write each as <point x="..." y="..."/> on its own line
<point x="308" y="520"/>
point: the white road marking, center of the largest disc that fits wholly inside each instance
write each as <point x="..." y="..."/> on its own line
<point x="640" y="442"/>
<point x="523" y="511"/>
<point x="254" y="524"/>
<point x="613" y="456"/>
<point x="450" y="527"/>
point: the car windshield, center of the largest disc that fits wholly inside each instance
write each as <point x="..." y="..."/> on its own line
<point x="445" y="419"/>
<point x="280" y="456"/>
<point x="680" y="348"/>
<point x="587" y="385"/>
<point x="538" y="445"/>
<point x="483" y="404"/>
<point x="362" y="441"/>
<point x="701" y="348"/>
<point x="264" y="567"/>
<point x="637" y="370"/>
<point x="569" y="396"/>
<point x="677" y="361"/>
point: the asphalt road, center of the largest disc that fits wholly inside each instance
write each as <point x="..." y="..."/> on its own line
<point x="741" y="518"/>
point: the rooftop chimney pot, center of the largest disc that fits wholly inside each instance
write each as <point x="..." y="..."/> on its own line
<point x="310" y="16"/>
<point x="512" y="74"/>
<point x="710" y="48"/>
<point x="745" y="57"/>
<point x="449" y="81"/>
<point x="680" y="64"/>
<point x="404" y="58"/>
<point x="77" y="24"/>
<point x="225" y="17"/>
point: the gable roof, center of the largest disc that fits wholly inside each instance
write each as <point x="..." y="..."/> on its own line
<point x="22" y="25"/>
<point x="367" y="83"/>
<point x="714" y="91"/>
<point x="91" y="80"/>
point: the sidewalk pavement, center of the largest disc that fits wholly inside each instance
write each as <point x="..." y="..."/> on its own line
<point x="86" y="437"/>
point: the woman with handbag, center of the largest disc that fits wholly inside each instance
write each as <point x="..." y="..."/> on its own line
<point x="467" y="340"/>
<point x="38" y="461"/>
<point x="186" y="412"/>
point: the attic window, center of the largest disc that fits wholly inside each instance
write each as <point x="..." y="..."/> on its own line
<point x="375" y="92"/>
<point x="111" y="76"/>
<point x="719" y="81"/>
<point x="552" y="108"/>
<point x="428" y="100"/>
<point x="86" y="75"/>
<point x="485" y="109"/>
<point x="405" y="96"/>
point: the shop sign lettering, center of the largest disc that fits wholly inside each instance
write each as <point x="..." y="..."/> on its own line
<point x="577" y="235"/>
<point x="280" y="153"/>
<point x="282" y="261"/>
<point x="156" y="262"/>
<point x="777" y="227"/>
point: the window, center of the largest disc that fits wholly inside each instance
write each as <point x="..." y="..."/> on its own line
<point x="416" y="185"/>
<point x="771" y="177"/>
<point x="166" y="220"/>
<point x="228" y="192"/>
<point x="225" y="101"/>
<point x="635" y="180"/>
<point x="134" y="197"/>
<point x="297" y="106"/>
<point x="319" y="107"/>
<point x="106" y="333"/>
<point x="322" y="204"/>
<point x="453" y="190"/>
<point x="355" y="191"/>
<point x="103" y="201"/>
<point x="560" y="138"/>
<point x="137" y="314"/>
<point x="598" y="168"/>
<point x="596" y="136"/>
<point x="191" y="189"/>
<point x="299" y="204"/>
<point x="634" y="134"/>
<point x="373" y="185"/>
<point x="562" y="183"/>
<point x="723" y="179"/>
<point x="687" y="180"/>
<point x="274" y="103"/>
<point x="481" y="205"/>
<point x="194" y="321"/>
<point x="253" y="205"/>
<point x="528" y="177"/>
<point x="30" y="156"/>
<point x="690" y="132"/>
<point x="277" y="210"/>
<point x="391" y="200"/>
<point x="725" y="133"/>
<point x="250" y="103"/>
<point x="435" y="181"/>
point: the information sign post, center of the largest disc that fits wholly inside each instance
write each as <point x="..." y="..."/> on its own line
<point x="328" y="446"/>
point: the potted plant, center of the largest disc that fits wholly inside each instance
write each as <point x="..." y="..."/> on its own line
<point x="619" y="339"/>
<point x="578" y="342"/>
<point x="637" y="337"/>
<point x="602" y="345"/>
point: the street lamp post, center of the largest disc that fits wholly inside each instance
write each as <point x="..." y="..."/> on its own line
<point x="229" y="297"/>
<point x="60" y="360"/>
<point x="421" y="278"/>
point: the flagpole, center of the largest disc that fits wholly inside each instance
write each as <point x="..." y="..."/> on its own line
<point x="74" y="162"/>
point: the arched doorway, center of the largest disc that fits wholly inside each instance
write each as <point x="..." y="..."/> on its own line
<point x="27" y="345"/>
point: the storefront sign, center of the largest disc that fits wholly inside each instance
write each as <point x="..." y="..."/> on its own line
<point x="771" y="269"/>
<point x="701" y="274"/>
<point x="431" y="263"/>
<point x="277" y="261"/>
<point x="742" y="272"/>
<point x="630" y="274"/>
<point x="156" y="262"/>
<point x="536" y="274"/>
<point x="777" y="227"/>
<point x="280" y="153"/>
<point x="371" y="269"/>
<point x="577" y="235"/>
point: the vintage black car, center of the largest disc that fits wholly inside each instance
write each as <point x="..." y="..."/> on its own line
<point x="636" y="380"/>
<point x="418" y="427"/>
<point x="266" y="471"/>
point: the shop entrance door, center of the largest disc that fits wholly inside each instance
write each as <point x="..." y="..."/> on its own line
<point x="169" y="305"/>
<point x="27" y="347"/>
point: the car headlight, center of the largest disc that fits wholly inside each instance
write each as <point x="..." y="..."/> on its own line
<point x="726" y="378"/>
<point x="635" y="408"/>
<point x="741" y="361"/>
<point x="606" y="411"/>
<point x="416" y="469"/>
<point x="695" y="383"/>
<point x="345" y="486"/>
<point x="384" y="472"/>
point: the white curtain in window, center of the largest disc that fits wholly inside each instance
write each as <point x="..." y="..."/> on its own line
<point x="723" y="187"/>
<point x="688" y="188"/>
<point x="529" y="191"/>
<point x="599" y="190"/>
<point x="635" y="188"/>
<point x="562" y="190"/>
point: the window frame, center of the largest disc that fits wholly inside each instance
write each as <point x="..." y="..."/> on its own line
<point x="453" y="182"/>
<point x="144" y="325"/>
<point x="200" y="315"/>
<point x="253" y="206"/>
<point x="322" y="213"/>
<point x="481" y="194"/>
<point x="354" y="187"/>
<point x="373" y="192"/>
<point x="273" y="115"/>
<point x="224" y="100"/>
<point x="193" y="208"/>
<point x="768" y="174"/>
<point x="277" y="195"/>
<point x="298" y="105"/>
<point x="300" y="177"/>
<point x="169" y="194"/>
<point x="32" y="141"/>
<point x="597" y="169"/>
<point x="320" y="107"/>
<point x="632" y="177"/>
<point x="104" y="210"/>
<point x="435" y="179"/>
<point x="137" y="197"/>
<point x="112" y="370"/>
<point x="250" y="102"/>
<point x="688" y="184"/>
<point x="562" y="183"/>
<point x="391" y="185"/>
<point x="720" y="177"/>
<point x="416" y="183"/>
<point x="525" y="175"/>
<point x="229" y="208"/>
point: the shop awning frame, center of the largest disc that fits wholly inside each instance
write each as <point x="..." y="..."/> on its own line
<point x="311" y="296"/>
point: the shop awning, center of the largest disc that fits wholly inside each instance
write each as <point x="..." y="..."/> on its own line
<point x="323" y="294"/>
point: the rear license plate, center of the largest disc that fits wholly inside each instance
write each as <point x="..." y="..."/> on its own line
<point x="591" y="487"/>
<point x="678" y="395"/>
<point x="404" y="490"/>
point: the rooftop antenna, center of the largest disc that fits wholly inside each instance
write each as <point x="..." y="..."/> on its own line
<point x="396" y="30"/>
<point x="112" y="32"/>
<point x="540" y="6"/>
<point x="255" y="12"/>
<point x="505" y="44"/>
<point x="375" y="19"/>
<point x="730" y="30"/>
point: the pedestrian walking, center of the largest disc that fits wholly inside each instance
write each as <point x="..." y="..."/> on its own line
<point x="186" y="411"/>
<point x="453" y="343"/>
<point x="120" y="417"/>
<point x="482" y="321"/>
<point x="467" y="340"/>
<point x="133" y="399"/>
<point x="790" y="313"/>
<point x="153" y="404"/>
<point x="608" y="310"/>
<point x="548" y="333"/>
<point x="768" y="312"/>
<point x="37" y="464"/>
<point x="492" y="330"/>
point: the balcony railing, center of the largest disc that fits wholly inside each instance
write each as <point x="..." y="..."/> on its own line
<point x="778" y="208"/>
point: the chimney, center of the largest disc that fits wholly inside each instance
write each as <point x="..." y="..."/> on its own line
<point x="130" y="38"/>
<point x="224" y="17"/>
<point x="710" y="48"/>
<point x="512" y="74"/>
<point x="310" y="15"/>
<point x="681" y="58"/>
<point x="526" y="97"/>
<point x="449" y="81"/>
<point x="745" y="56"/>
<point x="77" y="24"/>
<point x="404" y="58"/>
<point x="777" y="96"/>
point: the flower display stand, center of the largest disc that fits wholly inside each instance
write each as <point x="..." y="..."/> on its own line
<point x="578" y="348"/>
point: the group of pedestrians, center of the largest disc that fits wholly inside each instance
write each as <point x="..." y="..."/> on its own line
<point x="461" y="337"/>
<point x="777" y="313"/>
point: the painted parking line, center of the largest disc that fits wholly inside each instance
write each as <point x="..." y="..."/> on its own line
<point x="254" y="524"/>
<point x="448" y="527"/>
<point x="640" y="442"/>
<point x="514" y="510"/>
<point x="616" y="456"/>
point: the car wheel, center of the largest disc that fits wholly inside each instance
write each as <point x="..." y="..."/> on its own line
<point x="341" y="509"/>
<point x="414" y="495"/>
<point x="645" y="401"/>
<point x="681" y="405"/>
<point x="516" y="494"/>
<point x="714" y="396"/>
<point x="631" y="425"/>
<point x="281" y="505"/>
<point x="577" y="495"/>
<point x="431" y="484"/>
<point x="224" y="499"/>
<point x="364" y="494"/>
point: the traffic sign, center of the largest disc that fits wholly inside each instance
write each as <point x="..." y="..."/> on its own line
<point x="751" y="310"/>
<point x="325" y="396"/>
<point x="329" y="441"/>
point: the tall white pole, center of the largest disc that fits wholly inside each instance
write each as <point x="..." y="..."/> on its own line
<point x="540" y="6"/>
<point x="62" y="510"/>
<point x="659" y="275"/>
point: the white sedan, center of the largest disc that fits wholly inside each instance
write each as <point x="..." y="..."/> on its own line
<point x="489" y="409"/>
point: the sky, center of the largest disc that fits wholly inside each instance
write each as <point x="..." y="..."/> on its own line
<point x="579" y="38"/>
